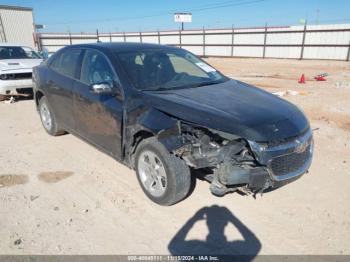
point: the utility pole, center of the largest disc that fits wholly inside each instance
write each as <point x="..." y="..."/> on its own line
<point x="265" y="37"/>
<point x="303" y="41"/>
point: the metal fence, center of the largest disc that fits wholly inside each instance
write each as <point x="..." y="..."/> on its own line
<point x="295" y="42"/>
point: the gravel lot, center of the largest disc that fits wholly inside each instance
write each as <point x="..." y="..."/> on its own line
<point x="59" y="195"/>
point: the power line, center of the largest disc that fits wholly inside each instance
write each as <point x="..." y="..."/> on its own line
<point x="193" y="9"/>
<point x="163" y="13"/>
<point x="227" y="5"/>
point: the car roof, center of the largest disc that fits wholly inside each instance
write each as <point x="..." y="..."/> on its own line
<point x="121" y="46"/>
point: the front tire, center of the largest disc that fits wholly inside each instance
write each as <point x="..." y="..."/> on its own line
<point x="164" y="178"/>
<point x="48" y="119"/>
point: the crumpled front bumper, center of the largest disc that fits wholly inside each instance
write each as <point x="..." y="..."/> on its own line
<point x="286" y="160"/>
<point x="279" y="165"/>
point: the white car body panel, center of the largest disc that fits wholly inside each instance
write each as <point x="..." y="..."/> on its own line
<point x="18" y="65"/>
<point x="13" y="66"/>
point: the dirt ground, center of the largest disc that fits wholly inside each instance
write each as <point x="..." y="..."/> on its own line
<point x="59" y="195"/>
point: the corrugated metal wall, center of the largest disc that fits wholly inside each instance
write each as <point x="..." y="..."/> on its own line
<point x="18" y="26"/>
<point x="298" y="42"/>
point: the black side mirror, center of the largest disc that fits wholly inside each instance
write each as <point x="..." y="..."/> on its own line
<point x="104" y="88"/>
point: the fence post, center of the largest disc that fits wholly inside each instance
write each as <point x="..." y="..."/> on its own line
<point x="180" y="36"/>
<point x="203" y="42"/>
<point x="232" y="40"/>
<point x="38" y="41"/>
<point x="158" y="37"/>
<point x="124" y="36"/>
<point x="140" y="37"/>
<point x="70" y="38"/>
<point x="303" y="43"/>
<point x="348" y="57"/>
<point x="265" y="36"/>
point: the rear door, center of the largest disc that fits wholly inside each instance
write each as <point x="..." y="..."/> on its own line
<point x="98" y="117"/>
<point x="64" y="72"/>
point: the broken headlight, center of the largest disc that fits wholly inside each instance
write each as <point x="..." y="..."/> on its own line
<point x="258" y="147"/>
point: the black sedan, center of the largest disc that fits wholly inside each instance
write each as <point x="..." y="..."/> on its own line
<point x="171" y="116"/>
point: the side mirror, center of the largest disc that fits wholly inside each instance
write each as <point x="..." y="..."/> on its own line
<point x="105" y="88"/>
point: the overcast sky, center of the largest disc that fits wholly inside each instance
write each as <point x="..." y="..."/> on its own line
<point x="145" y="15"/>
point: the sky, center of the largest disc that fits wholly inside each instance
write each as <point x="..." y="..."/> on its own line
<point x="147" y="15"/>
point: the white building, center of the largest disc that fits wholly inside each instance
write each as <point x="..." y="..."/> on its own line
<point x="17" y="25"/>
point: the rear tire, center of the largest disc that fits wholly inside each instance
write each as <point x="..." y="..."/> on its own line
<point x="48" y="119"/>
<point x="169" y="181"/>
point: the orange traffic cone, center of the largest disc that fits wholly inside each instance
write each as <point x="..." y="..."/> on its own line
<point x="302" y="79"/>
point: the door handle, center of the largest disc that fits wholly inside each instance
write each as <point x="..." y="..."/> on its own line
<point x="49" y="82"/>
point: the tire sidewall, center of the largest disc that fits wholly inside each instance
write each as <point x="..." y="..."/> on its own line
<point x="42" y="101"/>
<point x="170" y="185"/>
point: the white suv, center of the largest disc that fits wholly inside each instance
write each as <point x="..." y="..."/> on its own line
<point x="16" y="64"/>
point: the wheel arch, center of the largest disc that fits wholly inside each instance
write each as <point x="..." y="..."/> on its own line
<point x="37" y="96"/>
<point x="135" y="139"/>
<point x="151" y="123"/>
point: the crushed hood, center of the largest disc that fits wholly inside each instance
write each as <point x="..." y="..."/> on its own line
<point x="18" y="65"/>
<point x="233" y="107"/>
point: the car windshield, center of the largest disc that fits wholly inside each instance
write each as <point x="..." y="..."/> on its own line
<point x="17" y="52"/>
<point x="167" y="69"/>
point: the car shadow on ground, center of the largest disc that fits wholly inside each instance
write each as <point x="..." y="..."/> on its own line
<point x="216" y="243"/>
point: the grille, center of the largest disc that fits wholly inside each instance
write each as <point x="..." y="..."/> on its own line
<point x="290" y="163"/>
<point x="16" y="76"/>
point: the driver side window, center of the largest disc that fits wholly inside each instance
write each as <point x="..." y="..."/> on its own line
<point x="95" y="69"/>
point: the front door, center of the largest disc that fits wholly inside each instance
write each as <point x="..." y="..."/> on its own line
<point x="98" y="117"/>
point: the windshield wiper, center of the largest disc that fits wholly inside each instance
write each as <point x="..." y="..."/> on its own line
<point x="157" y="89"/>
<point x="185" y="86"/>
<point x="166" y="88"/>
<point x="207" y="83"/>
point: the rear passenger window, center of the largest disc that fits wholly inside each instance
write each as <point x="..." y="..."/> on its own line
<point x="66" y="62"/>
<point x="55" y="61"/>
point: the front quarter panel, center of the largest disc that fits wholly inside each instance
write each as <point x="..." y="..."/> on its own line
<point x="143" y="119"/>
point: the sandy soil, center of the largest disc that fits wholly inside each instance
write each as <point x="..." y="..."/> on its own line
<point x="62" y="196"/>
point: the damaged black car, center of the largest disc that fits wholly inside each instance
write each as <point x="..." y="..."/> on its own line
<point x="169" y="115"/>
